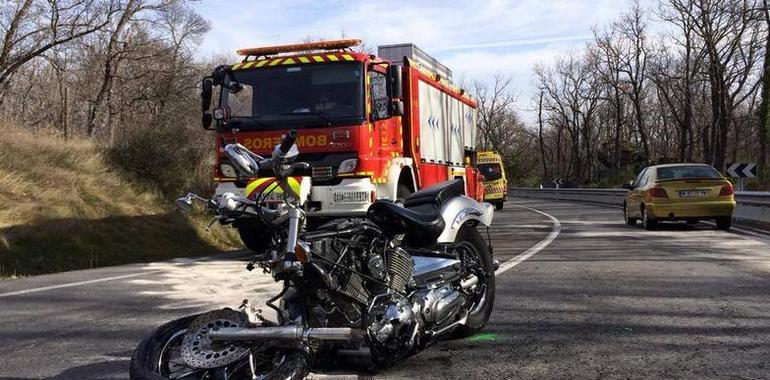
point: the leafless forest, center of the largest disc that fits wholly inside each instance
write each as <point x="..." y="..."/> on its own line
<point x="120" y="72"/>
<point x="684" y="81"/>
<point x="681" y="81"/>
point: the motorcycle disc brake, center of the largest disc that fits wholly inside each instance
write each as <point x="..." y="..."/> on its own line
<point x="199" y="351"/>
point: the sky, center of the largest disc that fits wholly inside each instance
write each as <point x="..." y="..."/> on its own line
<point x="476" y="39"/>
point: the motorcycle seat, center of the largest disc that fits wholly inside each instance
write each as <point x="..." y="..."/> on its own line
<point x="420" y="218"/>
<point x="423" y="224"/>
<point x="437" y="194"/>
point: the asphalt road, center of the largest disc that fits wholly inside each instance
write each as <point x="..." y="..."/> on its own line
<point x="582" y="296"/>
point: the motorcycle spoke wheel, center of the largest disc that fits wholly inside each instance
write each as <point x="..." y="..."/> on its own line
<point x="473" y="266"/>
<point x="171" y="364"/>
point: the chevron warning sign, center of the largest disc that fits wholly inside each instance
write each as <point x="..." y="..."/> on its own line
<point x="742" y="170"/>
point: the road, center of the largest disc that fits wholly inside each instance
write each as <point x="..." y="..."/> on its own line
<point x="582" y="296"/>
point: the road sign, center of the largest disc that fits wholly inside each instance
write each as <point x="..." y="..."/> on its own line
<point x="742" y="170"/>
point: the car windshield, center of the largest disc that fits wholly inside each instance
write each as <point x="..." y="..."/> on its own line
<point x="491" y="172"/>
<point x="303" y="94"/>
<point x="687" y="171"/>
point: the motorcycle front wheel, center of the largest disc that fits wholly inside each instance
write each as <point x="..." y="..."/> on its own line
<point x="477" y="259"/>
<point x="158" y="357"/>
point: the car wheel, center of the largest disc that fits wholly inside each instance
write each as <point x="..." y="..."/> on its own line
<point x="647" y="221"/>
<point x="629" y="220"/>
<point x="724" y="223"/>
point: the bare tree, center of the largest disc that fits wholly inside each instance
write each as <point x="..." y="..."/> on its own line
<point x="732" y="38"/>
<point x="33" y="27"/>
<point x="763" y="125"/>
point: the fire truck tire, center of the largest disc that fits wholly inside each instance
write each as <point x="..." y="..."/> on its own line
<point x="402" y="191"/>
<point x="498" y="206"/>
<point x="253" y="236"/>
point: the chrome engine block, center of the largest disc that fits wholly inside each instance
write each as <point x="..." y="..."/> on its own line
<point x="390" y="320"/>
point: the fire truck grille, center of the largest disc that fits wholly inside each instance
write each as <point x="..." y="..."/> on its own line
<point x="322" y="172"/>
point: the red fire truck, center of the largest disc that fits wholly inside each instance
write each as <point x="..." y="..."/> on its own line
<point x="372" y="127"/>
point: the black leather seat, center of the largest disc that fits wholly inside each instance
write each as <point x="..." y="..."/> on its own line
<point x="420" y="217"/>
<point x="395" y="219"/>
<point x="437" y="194"/>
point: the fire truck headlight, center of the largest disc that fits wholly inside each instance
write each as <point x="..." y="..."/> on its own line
<point x="227" y="170"/>
<point x="348" y="166"/>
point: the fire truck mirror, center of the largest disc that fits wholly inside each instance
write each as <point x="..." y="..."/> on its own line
<point x="206" y="120"/>
<point x="395" y="82"/>
<point x="397" y="107"/>
<point x="206" y="90"/>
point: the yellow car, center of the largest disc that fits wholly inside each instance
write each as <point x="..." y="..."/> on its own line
<point x="689" y="192"/>
<point x="490" y="165"/>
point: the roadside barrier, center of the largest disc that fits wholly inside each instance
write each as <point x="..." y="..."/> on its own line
<point x="752" y="206"/>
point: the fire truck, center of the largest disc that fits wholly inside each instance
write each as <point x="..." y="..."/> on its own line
<point x="371" y="126"/>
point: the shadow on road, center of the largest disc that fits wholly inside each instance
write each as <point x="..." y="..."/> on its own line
<point x="106" y="370"/>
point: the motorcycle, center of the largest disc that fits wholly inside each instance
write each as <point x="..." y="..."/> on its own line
<point x="365" y="291"/>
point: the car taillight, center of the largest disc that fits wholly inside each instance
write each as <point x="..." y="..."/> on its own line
<point x="726" y="190"/>
<point x="658" y="192"/>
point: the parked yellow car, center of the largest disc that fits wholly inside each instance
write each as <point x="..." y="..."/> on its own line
<point x="490" y="165"/>
<point x="689" y="192"/>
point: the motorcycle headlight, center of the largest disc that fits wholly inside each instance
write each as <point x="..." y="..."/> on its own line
<point x="348" y="166"/>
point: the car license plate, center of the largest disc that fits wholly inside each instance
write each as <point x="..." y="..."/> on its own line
<point x="693" y="193"/>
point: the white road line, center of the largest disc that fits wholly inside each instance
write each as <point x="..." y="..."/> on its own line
<point x="72" y="284"/>
<point x="518" y="259"/>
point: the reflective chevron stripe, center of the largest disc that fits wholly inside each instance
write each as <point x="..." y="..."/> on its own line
<point x="314" y="58"/>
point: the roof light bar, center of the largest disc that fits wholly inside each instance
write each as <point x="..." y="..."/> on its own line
<point x="318" y="45"/>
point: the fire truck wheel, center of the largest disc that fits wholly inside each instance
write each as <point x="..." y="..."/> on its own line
<point x="402" y="191"/>
<point x="253" y="236"/>
<point x="499" y="206"/>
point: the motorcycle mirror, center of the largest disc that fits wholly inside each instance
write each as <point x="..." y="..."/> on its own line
<point x="292" y="153"/>
<point x="184" y="204"/>
<point x="242" y="160"/>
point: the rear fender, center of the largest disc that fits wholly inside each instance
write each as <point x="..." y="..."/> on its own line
<point x="460" y="210"/>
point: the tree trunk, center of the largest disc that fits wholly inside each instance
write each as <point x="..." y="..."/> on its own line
<point x="540" y="137"/>
<point x="763" y="126"/>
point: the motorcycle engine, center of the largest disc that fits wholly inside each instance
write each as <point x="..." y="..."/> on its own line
<point x="367" y="287"/>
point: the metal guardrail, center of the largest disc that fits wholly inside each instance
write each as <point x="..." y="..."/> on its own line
<point x="752" y="206"/>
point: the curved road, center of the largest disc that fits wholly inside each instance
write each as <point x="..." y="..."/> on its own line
<point x="582" y="296"/>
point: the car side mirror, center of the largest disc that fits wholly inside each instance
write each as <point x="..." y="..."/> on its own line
<point x="206" y="93"/>
<point x="627" y="186"/>
<point x="395" y="82"/>
<point x="206" y="120"/>
<point x="397" y="107"/>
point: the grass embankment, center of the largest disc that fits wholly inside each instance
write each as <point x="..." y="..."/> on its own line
<point x="63" y="208"/>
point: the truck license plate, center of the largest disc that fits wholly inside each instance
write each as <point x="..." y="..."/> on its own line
<point x="693" y="193"/>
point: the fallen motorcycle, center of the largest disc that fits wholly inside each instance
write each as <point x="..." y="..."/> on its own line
<point x="363" y="291"/>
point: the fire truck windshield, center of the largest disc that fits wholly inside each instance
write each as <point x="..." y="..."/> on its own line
<point x="302" y="95"/>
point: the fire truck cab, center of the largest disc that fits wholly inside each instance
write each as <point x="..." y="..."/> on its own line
<point x="372" y="127"/>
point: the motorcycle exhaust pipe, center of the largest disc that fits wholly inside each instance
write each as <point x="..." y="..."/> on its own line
<point x="292" y="333"/>
<point x="469" y="282"/>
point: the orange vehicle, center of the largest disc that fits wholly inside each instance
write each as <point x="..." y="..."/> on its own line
<point x="371" y="127"/>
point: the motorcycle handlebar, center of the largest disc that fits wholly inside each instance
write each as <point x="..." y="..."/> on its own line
<point x="288" y="141"/>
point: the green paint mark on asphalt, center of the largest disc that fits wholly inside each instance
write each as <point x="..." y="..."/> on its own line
<point x="483" y="337"/>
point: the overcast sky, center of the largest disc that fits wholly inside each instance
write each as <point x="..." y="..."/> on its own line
<point x="475" y="39"/>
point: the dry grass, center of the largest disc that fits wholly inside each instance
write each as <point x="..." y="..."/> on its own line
<point x="63" y="208"/>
